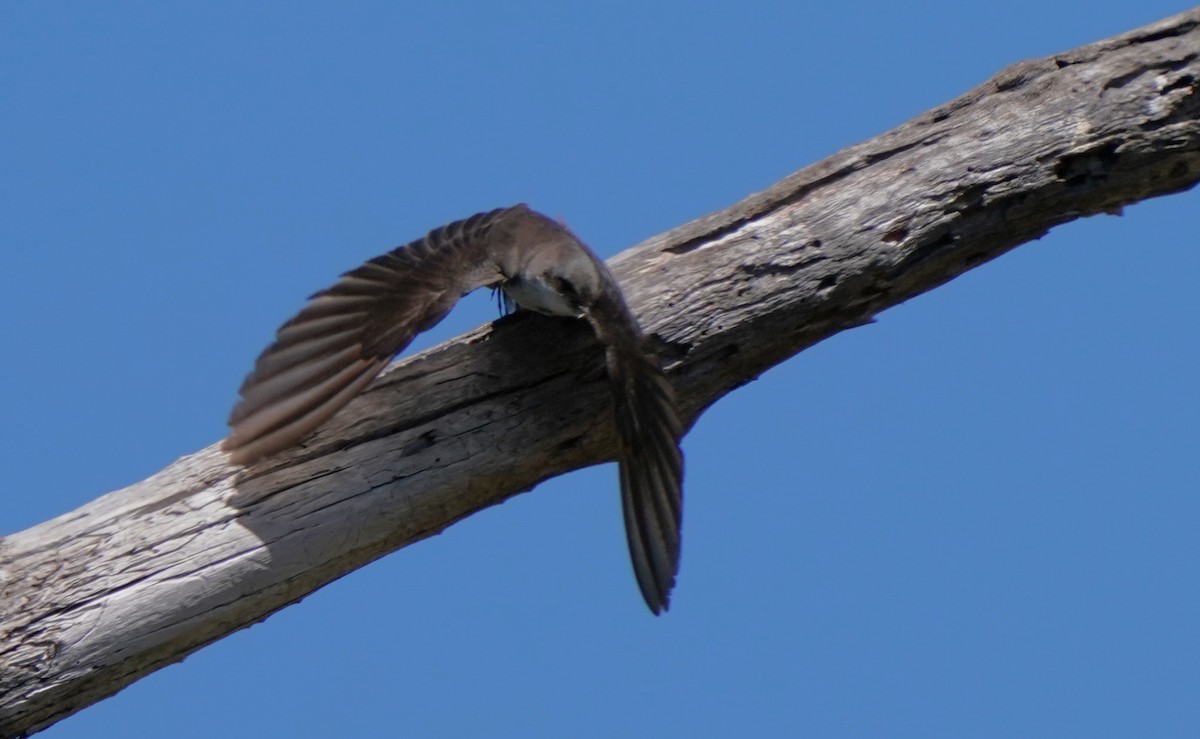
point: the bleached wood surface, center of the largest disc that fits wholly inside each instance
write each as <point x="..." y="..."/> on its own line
<point x="141" y="577"/>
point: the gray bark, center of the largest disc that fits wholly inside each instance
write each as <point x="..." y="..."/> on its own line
<point x="141" y="577"/>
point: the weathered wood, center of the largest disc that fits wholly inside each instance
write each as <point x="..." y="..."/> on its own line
<point x="141" y="577"/>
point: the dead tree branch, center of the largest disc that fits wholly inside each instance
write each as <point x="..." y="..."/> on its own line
<point x="141" y="577"/>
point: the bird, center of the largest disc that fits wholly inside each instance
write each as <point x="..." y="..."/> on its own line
<point x="346" y="334"/>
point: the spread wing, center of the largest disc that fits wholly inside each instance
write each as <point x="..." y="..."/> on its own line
<point x="651" y="472"/>
<point x="347" y="334"/>
<point x="650" y="464"/>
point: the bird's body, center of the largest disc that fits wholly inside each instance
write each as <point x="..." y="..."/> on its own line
<point x="345" y="335"/>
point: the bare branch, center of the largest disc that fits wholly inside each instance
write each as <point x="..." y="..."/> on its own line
<point x="140" y="578"/>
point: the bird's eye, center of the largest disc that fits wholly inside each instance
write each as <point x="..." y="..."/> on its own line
<point x="565" y="287"/>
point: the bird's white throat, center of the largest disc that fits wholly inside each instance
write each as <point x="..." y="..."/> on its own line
<point x="536" y="295"/>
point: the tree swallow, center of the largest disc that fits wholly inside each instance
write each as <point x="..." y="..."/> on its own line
<point x="345" y="335"/>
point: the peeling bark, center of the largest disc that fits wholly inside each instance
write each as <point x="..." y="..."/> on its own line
<point x="141" y="577"/>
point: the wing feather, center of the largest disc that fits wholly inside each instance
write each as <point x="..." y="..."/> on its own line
<point x="280" y="426"/>
<point x="651" y="471"/>
<point x="345" y="335"/>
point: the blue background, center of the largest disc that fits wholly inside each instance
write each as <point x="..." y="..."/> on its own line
<point x="977" y="517"/>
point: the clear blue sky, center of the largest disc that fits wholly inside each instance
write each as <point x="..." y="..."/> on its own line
<point x="977" y="517"/>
